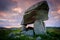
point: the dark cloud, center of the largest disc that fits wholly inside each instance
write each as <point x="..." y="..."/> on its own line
<point x="4" y="4"/>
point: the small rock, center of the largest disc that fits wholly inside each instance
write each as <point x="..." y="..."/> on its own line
<point x="16" y="36"/>
<point x="38" y="38"/>
<point x="23" y="32"/>
<point x="30" y="33"/>
<point x="11" y="35"/>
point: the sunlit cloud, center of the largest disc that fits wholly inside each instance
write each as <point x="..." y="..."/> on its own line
<point x="11" y="12"/>
<point x="17" y="10"/>
<point x="58" y="11"/>
<point x="7" y="15"/>
<point x="13" y="26"/>
<point x="57" y="17"/>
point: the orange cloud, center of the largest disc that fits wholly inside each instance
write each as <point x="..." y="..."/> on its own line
<point x="58" y="11"/>
<point x="17" y="10"/>
<point x="4" y="16"/>
<point x="55" y="13"/>
<point x="8" y="15"/>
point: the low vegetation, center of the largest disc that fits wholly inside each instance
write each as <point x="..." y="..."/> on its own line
<point x="7" y="34"/>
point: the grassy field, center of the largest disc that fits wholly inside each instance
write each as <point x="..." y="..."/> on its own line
<point x="53" y="33"/>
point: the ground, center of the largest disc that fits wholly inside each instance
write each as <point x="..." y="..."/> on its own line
<point x="53" y="33"/>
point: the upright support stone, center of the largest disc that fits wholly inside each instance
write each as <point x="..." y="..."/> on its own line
<point x="39" y="27"/>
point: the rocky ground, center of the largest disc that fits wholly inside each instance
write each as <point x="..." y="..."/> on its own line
<point x="51" y="34"/>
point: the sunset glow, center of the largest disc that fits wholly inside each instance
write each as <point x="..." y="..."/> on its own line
<point x="12" y="11"/>
<point x="17" y="10"/>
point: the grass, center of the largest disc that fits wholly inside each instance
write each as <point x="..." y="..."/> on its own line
<point x="52" y="34"/>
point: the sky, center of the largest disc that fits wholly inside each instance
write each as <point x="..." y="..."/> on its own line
<point x="12" y="11"/>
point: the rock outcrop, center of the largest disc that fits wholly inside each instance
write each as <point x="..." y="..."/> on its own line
<point x="36" y="15"/>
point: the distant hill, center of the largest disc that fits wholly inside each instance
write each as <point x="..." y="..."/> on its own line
<point x="54" y="27"/>
<point x="12" y="28"/>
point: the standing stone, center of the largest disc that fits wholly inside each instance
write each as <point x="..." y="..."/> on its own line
<point x="39" y="27"/>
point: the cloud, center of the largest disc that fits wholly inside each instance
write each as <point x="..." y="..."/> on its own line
<point x="16" y="26"/>
<point x="58" y="11"/>
<point x="12" y="11"/>
<point x="17" y="10"/>
<point x="54" y="18"/>
<point x="4" y="4"/>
